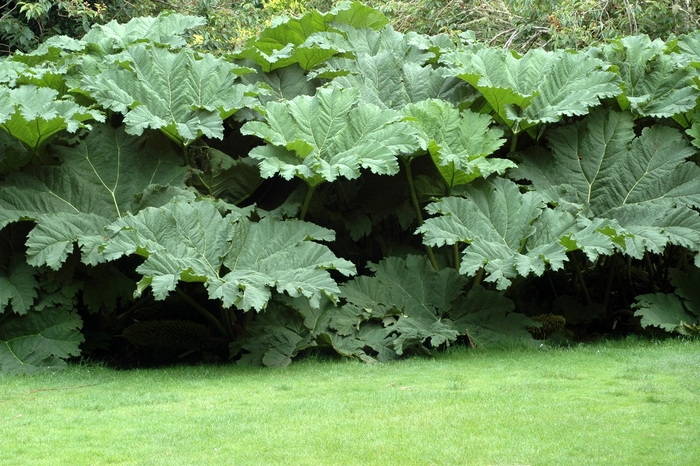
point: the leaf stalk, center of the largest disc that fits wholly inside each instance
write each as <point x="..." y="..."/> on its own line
<point x="307" y="201"/>
<point x="416" y="205"/>
<point x="199" y="308"/>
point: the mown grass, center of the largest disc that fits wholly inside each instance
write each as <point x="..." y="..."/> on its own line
<point x="630" y="402"/>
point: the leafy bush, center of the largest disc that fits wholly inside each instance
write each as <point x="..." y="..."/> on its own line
<point x="339" y="184"/>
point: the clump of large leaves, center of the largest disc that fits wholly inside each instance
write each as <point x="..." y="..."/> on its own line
<point x="407" y="305"/>
<point x="61" y="62"/>
<point x="656" y="83"/>
<point x="240" y="262"/>
<point x="459" y="142"/>
<point x="539" y="87"/>
<point x="329" y="135"/>
<point x="100" y="180"/>
<point x="33" y="114"/>
<point x="509" y="233"/>
<point x="404" y="306"/>
<point x="183" y="95"/>
<point x="644" y="184"/>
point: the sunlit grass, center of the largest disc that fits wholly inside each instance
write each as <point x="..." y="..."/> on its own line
<point x="622" y="403"/>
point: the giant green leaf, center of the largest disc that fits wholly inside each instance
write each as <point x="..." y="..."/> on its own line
<point x="61" y="61"/>
<point x="539" y="87"/>
<point x="390" y="81"/>
<point x="38" y="341"/>
<point x="459" y="142"/>
<point x="309" y="39"/>
<point x="33" y="114"/>
<point x="329" y="135"/>
<point x="497" y="244"/>
<point x="391" y="69"/>
<point x="240" y="262"/>
<point x="508" y="233"/>
<point x="184" y="95"/>
<point x="107" y="175"/>
<point x="689" y="46"/>
<point x="673" y="312"/>
<point x="644" y="183"/>
<point x="655" y="83"/>
<point x="164" y="29"/>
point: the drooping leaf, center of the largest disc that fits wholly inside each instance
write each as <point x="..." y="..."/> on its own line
<point x="663" y="310"/>
<point x="414" y="287"/>
<point x="17" y="285"/>
<point x="273" y="339"/>
<point x="644" y="183"/>
<point x="225" y="177"/>
<point x="656" y="83"/>
<point x="281" y="83"/>
<point x="13" y="154"/>
<point x="38" y="341"/>
<point x="283" y="255"/>
<point x="539" y="87"/>
<point x="694" y="133"/>
<point x="239" y="262"/>
<point x="414" y="333"/>
<point x="420" y="295"/>
<point x="103" y="178"/>
<point x="487" y="318"/>
<point x="687" y="288"/>
<point x="183" y="95"/>
<point x="329" y="135"/>
<point x="459" y="142"/>
<point x="33" y="114"/>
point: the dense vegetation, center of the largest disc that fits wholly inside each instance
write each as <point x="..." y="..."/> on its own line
<point x="340" y="185"/>
<point x="517" y="24"/>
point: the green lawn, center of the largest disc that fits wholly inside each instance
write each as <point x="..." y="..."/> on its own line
<point x="613" y="403"/>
